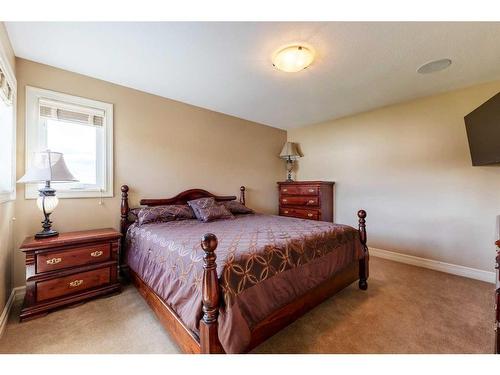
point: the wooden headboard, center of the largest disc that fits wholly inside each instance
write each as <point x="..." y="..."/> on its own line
<point x="189" y="195"/>
<point x="181" y="198"/>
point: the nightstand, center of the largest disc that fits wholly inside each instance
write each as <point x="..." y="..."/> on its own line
<point x="69" y="268"/>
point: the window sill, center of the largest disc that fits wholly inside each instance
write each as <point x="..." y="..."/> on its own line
<point x="7" y="197"/>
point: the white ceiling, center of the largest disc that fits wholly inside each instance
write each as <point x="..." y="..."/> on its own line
<point x="226" y="67"/>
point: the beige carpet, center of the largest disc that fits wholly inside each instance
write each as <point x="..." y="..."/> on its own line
<point x="405" y="310"/>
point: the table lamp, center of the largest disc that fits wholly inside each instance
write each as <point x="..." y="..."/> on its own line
<point x="290" y="153"/>
<point x="48" y="166"/>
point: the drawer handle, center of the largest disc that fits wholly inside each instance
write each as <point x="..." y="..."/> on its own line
<point x="311" y="201"/>
<point x="286" y="212"/>
<point x="75" y="283"/>
<point x="54" y="261"/>
<point x="311" y="190"/>
<point x="284" y="200"/>
<point x="285" y="189"/>
<point x="96" y="253"/>
<point x="310" y="215"/>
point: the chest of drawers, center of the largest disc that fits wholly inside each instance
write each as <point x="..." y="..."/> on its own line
<point x="68" y="269"/>
<point x="306" y="200"/>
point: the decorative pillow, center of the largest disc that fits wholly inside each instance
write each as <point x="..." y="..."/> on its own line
<point x="132" y="214"/>
<point x="236" y="207"/>
<point x="165" y="213"/>
<point x="207" y="209"/>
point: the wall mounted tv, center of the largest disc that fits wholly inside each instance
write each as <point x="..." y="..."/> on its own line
<point x="483" y="132"/>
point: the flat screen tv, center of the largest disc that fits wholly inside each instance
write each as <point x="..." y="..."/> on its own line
<point x="483" y="132"/>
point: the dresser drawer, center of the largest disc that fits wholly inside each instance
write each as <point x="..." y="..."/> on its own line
<point x="72" y="284"/>
<point x="286" y="200"/>
<point x="77" y="256"/>
<point x="299" y="190"/>
<point x="300" y="213"/>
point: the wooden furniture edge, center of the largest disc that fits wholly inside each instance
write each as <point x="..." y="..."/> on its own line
<point x="208" y="342"/>
<point x="42" y="309"/>
<point x="73" y="238"/>
<point x="306" y="183"/>
<point x="187" y="195"/>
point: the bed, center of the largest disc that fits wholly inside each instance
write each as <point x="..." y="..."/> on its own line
<point x="226" y="286"/>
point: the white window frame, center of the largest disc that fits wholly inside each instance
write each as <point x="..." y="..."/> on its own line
<point x="34" y="135"/>
<point x="10" y="195"/>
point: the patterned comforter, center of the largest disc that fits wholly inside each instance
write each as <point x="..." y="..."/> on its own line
<point x="264" y="262"/>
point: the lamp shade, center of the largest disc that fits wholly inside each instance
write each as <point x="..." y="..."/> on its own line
<point x="47" y="166"/>
<point x="290" y="151"/>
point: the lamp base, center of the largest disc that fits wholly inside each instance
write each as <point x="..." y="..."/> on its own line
<point x="47" y="193"/>
<point x="289" y="169"/>
<point x="46" y="233"/>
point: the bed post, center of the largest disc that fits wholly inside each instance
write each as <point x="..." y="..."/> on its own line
<point x="124" y="209"/>
<point x="242" y="195"/>
<point x="209" y="339"/>
<point x="363" y="263"/>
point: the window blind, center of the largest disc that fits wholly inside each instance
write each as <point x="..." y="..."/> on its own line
<point x="51" y="109"/>
<point x="5" y="88"/>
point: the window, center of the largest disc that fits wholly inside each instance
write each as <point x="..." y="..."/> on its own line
<point x="7" y="133"/>
<point x="82" y="129"/>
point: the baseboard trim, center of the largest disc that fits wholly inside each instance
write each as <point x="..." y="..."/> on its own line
<point x="455" y="269"/>
<point x="15" y="294"/>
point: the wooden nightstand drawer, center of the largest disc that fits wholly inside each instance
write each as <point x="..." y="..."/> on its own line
<point x="71" y="284"/>
<point x="77" y="256"/>
<point x="299" y="201"/>
<point x="299" y="190"/>
<point x="300" y="213"/>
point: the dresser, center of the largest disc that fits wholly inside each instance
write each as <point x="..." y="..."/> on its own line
<point x="69" y="268"/>
<point x="306" y="199"/>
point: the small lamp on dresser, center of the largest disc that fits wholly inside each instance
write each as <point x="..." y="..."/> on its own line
<point x="290" y="153"/>
<point x="47" y="167"/>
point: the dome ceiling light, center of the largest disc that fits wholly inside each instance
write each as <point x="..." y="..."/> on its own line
<point x="294" y="58"/>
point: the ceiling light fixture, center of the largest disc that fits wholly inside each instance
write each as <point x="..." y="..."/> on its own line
<point x="293" y="58"/>
<point x="434" y="66"/>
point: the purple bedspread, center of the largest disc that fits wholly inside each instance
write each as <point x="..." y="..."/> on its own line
<point x="264" y="262"/>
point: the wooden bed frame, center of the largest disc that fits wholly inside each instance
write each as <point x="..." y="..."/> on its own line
<point x="208" y="341"/>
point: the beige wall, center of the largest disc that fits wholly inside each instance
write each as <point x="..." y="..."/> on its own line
<point x="7" y="208"/>
<point x="409" y="166"/>
<point x="161" y="147"/>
